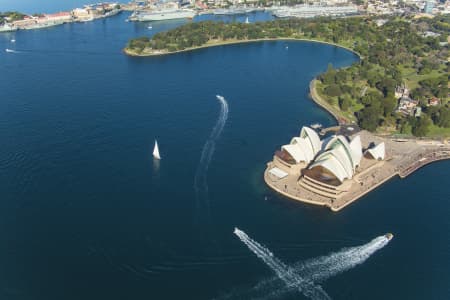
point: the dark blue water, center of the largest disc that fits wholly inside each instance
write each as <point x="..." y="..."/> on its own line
<point x="86" y="214"/>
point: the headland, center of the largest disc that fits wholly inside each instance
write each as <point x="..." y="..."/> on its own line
<point x="220" y="42"/>
<point x="330" y="180"/>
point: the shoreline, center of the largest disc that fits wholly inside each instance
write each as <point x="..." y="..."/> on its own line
<point x="315" y="97"/>
<point x="234" y="42"/>
<point x="293" y="188"/>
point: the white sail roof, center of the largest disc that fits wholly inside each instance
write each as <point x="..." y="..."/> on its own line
<point x="305" y="147"/>
<point x="332" y="164"/>
<point x="354" y="156"/>
<point x="378" y="152"/>
<point x="312" y="136"/>
<point x="295" y="151"/>
<point x="356" y="147"/>
<point x="341" y="163"/>
<point x="340" y="157"/>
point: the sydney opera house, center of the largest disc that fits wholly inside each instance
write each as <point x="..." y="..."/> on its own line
<point x="325" y="168"/>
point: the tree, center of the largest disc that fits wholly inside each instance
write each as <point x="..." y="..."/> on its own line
<point x="421" y="126"/>
<point x="333" y="90"/>
<point x="344" y="102"/>
<point x="369" y="118"/>
<point x="389" y="103"/>
<point x="442" y="117"/>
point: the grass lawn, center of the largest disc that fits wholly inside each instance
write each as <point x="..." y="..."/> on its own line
<point x="412" y="79"/>
<point x="436" y="131"/>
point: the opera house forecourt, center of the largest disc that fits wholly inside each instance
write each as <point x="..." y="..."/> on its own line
<point x="339" y="169"/>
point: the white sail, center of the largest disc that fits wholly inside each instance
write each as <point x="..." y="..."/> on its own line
<point x="156" y="151"/>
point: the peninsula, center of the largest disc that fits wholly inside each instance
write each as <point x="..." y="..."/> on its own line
<point x="399" y="86"/>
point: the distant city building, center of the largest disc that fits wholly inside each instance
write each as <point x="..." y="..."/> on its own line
<point x="407" y="106"/>
<point x="401" y="91"/>
<point x="429" y="5"/>
<point x="418" y="112"/>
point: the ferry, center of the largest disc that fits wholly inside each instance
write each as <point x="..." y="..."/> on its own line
<point x="162" y="14"/>
<point x="233" y="11"/>
<point x="311" y="11"/>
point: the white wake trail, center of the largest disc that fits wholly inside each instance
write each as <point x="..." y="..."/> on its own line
<point x="200" y="182"/>
<point x="319" y="269"/>
<point x="290" y="278"/>
<point x="324" y="267"/>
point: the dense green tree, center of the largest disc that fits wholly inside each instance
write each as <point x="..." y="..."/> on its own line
<point x="344" y="102"/>
<point x="369" y="118"/>
<point x="442" y="117"/>
<point x="333" y="90"/>
<point x="421" y="126"/>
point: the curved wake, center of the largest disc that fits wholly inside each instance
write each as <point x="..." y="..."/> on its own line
<point x="289" y="276"/>
<point x="315" y="270"/>
<point x="200" y="182"/>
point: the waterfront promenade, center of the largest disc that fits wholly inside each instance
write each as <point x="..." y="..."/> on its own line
<point x="402" y="159"/>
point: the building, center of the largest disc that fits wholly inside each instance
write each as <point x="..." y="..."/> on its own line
<point x="82" y="14"/>
<point x="26" y="22"/>
<point x="337" y="162"/>
<point x="401" y="91"/>
<point x="331" y="161"/>
<point x="429" y="6"/>
<point x="418" y="112"/>
<point x="407" y="106"/>
<point x="331" y="171"/>
<point x="377" y="152"/>
<point x="59" y="17"/>
<point x="434" y="101"/>
<point x="299" y="152"/>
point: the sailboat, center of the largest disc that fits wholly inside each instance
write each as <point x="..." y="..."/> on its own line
<point x="156" y="151"/>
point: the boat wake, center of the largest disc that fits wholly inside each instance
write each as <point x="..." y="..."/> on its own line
<point x="200" y="182"/>
<point x="11" y="51"/>
<point x="311" y="271"/>
<point x="291" y="279"/>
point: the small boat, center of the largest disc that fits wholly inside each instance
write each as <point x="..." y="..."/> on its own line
<point x="150" y="27"/>
<point x="389" y="236"/>
<point x="247" y="21"/>
<point x="287" y="47"/>
<point x="9" y="50"/>
<point x="156" y="151"/>
<point x="13" y="41"/>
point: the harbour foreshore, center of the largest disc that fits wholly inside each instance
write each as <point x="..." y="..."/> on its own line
<point x="403" y="158"/>
<point x="216" y="43"/>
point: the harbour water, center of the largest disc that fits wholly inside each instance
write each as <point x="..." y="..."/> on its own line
<point x="85" y="212"/>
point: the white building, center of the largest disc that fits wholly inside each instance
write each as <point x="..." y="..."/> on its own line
<point x="338" y="161"/>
